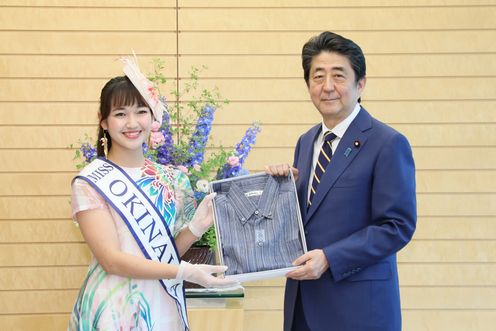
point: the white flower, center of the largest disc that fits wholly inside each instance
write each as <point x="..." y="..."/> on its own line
<point x="202" y="185"/>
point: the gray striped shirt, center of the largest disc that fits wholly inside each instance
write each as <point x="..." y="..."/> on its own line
<point x="258" y="224"/>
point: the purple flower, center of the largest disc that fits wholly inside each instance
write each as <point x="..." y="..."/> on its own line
<point x="89" y="152"/>
<point x="249" y="139"/>
<point x="241" y="150"/>
<point x="166" y="151"/>
<point x="200" y="136"/>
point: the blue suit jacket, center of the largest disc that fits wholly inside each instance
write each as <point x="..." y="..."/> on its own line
<point x="363" y="212"/>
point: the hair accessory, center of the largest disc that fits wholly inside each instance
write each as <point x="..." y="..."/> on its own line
<point x="104" y="142"/>
<point x="145" y="87"/>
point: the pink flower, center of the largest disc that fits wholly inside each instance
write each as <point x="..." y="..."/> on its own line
<point x="183" y="169"/>
<point x="151" y="91"/>
<point x="157" y="139"/>
<point x="233" y="161"/>
<point x="155" y="126"/>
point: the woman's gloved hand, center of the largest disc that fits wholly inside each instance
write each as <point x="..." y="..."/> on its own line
<point x="204" y="216"/>
<point x="201" y="274"/>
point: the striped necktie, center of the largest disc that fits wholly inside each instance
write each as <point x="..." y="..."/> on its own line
<point x="325" y="156"/>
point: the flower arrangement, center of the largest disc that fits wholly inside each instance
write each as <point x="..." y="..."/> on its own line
<point x="181" y="140"/>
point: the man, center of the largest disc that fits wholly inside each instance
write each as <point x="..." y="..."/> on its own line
<point x="356" y="189"/>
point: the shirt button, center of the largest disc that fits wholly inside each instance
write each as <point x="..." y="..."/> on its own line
<point x="243" y="219"/>
<point x="260" y="243"/>
<point x="256" y="212"/>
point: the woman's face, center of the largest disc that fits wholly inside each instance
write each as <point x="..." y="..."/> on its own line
<point x="128" y="126"/>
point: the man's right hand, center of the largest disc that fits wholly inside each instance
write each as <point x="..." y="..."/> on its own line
<point x="281" y="170"/>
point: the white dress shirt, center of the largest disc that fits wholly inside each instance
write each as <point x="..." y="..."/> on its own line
<point x="339" y="130"/>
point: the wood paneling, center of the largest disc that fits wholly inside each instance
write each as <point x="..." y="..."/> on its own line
<point x="378" y="65"/>
<point x="90" y="42"/>
<point x="91" y="3"/>
<point x="377" y="89"/>
<point x="442" y="251"/>
<point x="277" y="113"/>
<point x="374" y="42"/>
<point x="34" y="322"/>
<point x="53" y="90"/>
<point x="88" y="19"/>
<point x="428" y="228"/>
<point x="420" y="135"/>
<point x="455" y="320"/>
<point x="426" y="158"/>
<point x="220" y="319"/>
<point x="456" y="204"/>
<point x="456" y="227"/>
<point x="418" y="251"/>
<point x="41" y="231"/>
<point x="42" y="278"/>
<point x="413" y="320"/>
<point x="448" y="297"/>
<point x="33" y="302"/>
<point x="315" y="19"/>
<point x="429" y="181"/>
<point x="327" y="3"/>
<point x="38" y="160"/>
<point x="34" y="208"/>
<point x="447" y="274"/>
<point x="75" y="66"/>
<point x="43" y="254"/>
<point x="425" y="274"/>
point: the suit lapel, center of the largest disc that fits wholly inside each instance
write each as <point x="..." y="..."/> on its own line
<point x="306" y="154"/>
<point x="342" y="158"/>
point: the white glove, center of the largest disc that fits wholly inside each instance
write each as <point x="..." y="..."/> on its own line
<point x="202" y="274"/>
<point x="204" y="216"/>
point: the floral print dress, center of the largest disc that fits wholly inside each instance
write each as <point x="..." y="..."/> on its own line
<point x="111" y="302"/>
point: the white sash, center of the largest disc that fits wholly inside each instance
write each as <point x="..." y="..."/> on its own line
<point x="145" y="222"/>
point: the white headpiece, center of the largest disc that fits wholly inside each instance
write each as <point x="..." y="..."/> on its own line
<point x="145" y="87"/>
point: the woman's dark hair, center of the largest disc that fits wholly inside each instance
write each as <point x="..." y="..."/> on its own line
<point x="118" y="92"/>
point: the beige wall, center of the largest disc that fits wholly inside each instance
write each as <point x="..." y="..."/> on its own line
<point x="431" y="74"/>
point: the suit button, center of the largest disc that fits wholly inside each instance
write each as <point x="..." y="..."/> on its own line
<point x="306" y="233"/>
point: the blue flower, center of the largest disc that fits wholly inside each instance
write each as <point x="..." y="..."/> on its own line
<point x="242" y="149"/>
<point x="248" y="140"/>
<point x="166" y="151"/>
<point x="89" y="152"/>
<point x="200" y="136"/>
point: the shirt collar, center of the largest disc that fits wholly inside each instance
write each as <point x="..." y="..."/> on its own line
<point x="245" y="208"/>
<point x="342" y="126"/>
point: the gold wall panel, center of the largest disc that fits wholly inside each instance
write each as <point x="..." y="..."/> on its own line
<point x="431" y="75"/>
<point x="88" y="19"/>
<point x="317" y="19"/>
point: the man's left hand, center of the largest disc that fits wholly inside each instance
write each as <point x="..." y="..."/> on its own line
<point x="312" y="265"/>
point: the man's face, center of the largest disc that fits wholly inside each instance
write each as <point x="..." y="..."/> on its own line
<point x="332" y="87"/>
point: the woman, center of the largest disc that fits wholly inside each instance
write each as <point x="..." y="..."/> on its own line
<point x="138" y="218"/>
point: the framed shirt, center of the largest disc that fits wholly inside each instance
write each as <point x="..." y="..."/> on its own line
<point x="258" y="225"/>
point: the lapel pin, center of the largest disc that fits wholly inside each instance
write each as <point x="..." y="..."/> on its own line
<point x="347" y="152"/>
<point x="357" y="143"/>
